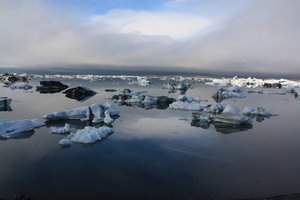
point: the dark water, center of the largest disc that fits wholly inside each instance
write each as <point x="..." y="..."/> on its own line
<point x="153" y="154"/>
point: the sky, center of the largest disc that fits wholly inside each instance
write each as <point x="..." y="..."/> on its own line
<point x="208" y="35"/>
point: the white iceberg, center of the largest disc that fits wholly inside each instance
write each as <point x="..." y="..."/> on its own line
<point x="10" y="129"/>
<point x="107" y="118"/>
<point x="60" y="130"/>
<point x="231" y="115"/>
<point x="259" y="111"/>
<point x="143" y="81"/>
<point x="189" y="106"/>
<point x="87" y="135"/>
<point x="81" y="113"/>
<point x="215" y="109"/>
<point x="94" y="112"/>
<point x="20" y="86"/>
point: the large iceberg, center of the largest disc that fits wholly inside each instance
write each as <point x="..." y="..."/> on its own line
<point x="94" y="113"/>
<point x="225" y="93"/>
<point x="231" y="115"/>
<point x="189" y="106"/>
<point x="87" y="135"/>
<point x="11" y="129"/>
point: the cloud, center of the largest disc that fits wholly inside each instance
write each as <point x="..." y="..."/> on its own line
<point x="263" y="36"/>
<point x="155" y="23"/>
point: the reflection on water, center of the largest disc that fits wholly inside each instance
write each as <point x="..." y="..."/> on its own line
<point x="231" y="128"/>
<point x="6" y="109"/>
<point x="152" y="154"/>
<point x="24" y="135"/>
<point x="159" y="106"/>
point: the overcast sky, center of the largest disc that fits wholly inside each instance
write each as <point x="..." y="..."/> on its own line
<point x="231" y="35"/>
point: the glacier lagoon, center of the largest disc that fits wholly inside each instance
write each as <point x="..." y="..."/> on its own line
<point x="153" y="152"/>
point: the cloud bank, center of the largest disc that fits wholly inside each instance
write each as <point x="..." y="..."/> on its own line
<point x="261" y="36"/>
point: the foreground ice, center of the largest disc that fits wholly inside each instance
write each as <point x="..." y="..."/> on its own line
<point x="231" y="115"/>
<point x="11" y="129"/>
<point x="189" y="106"/>
<point x="87" y="135"/>
<point x="94" y="112"/>
<point x="60" y="130"/>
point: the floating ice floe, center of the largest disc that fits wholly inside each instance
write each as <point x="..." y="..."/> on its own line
<point x="215" y="109"/>
<point x="259" y="111"/>
<point x="189" y="106"/>
<point x="94" y="113"/>
<point x="87" y="135"/>
<point x="133" y="98"/>
<point x="187" y="98"/>
<point x="20" y="86"/>
<point x="231" y="115"/>
<point x="225" y="93"/>
<point x="12" y="129"/>
<point x="203" y="117"/>
<point x="60" y="130"/>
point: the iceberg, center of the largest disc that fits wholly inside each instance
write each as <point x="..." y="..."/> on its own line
<point x="231" y="92"/>
<point x="87" y="135"/>
<point x="231" y="115"/>
<point x="94" y="112"/>
<point x="215" y="109"/>
<point x="203" y="117"/>
<point x="12" y="129"/>
<point x="259" y="111"/>
<point x="189" y="106"/>
<point x="20" y="86"/>
<point x="187" y="98"/>
<point x="60" y="130"/>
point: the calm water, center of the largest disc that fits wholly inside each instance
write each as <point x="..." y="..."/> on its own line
<point x="152" y="154"/>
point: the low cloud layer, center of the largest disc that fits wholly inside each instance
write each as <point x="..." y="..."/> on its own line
<point x="261" y="36"/>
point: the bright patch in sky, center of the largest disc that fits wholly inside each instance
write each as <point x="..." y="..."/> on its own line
<point x="172" y="24"/>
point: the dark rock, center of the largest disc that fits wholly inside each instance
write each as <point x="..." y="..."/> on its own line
<point x="165" y="100"/>
<point x="110" y="90"/>
<point x="272" y="85"/>
<point x="79" y="93"/>
<point x="51" y="87"/>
